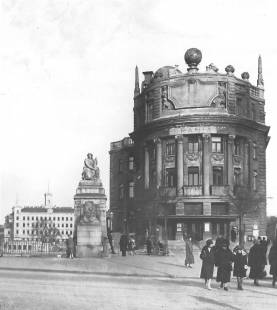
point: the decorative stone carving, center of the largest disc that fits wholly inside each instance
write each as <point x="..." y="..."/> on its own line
<point x="192" y="157"/>
<point x="230" y="70"/>
<point x="90" y="171"/>
<point x="217" y="158"/>
<point x="211" y="68"/>
<point x="175" y="71"/>
<point x="231" y="138"/>
<point x="166" y="105"/>
<point x="169" y="159"/>
<point x="206" y="138"/>
<point x="179" y="138"/>
<point x="220" y="100"/>
<point x="245" y="76"/>
<point x="237" y="160"/>
<point x="88" y="213"/>
<point x="157" y="141"/>
<point x="237" y="171"/>
<point x="193" y="57"/>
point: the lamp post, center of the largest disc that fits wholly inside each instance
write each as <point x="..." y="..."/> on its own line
<point x="111" y="216"/>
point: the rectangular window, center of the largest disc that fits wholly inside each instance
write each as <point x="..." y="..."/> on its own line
<point x="23" y="224"/>
<point x="45" y="218"/>
<point x="17" y="217"/>
<point x="66" y="225"/>
<point x="120" y="164"/>
<point x="23" y="232"/>
<point x="150" y="112"/>
<point x="217" y="145"/>
<point x="58" y="218"/>
<point x="37" y="218"/>
<point x="170" y="147"/>
<point x="54" y="219"/>
<point x="131" y="189"/>
<point x="218" y="209"/>
<point x="193" y="208"/>
<point x="28" y="232"/>
<point x="170" y="177"/>
<point x="17" y="232"/>
<point x="32" y="218"/>
<point x="217" y="175"/>
<point x="23" y="218"/>
<point x="71" y="219"/>
<point x="67" y="218"/>
<point x="28" y="218"/>
<point x="193" y="144"/>
<point x="17" y="224"/>
<point x="255" y="180"/>
<point x="131" y="163"/>
<point x="120" y="191"/>
<point x="193" y="173"/>
<point x="70" y="225"/>
<point x="239" y="106"/>
<point x="62" y="218"/>
<point x="49" y="218"/>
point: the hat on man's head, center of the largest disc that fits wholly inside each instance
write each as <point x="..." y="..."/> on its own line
<point x="209" y="242"/>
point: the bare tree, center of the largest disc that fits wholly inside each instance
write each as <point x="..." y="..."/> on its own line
<point x="244" y="203"/>
<point x="46" y="230"/>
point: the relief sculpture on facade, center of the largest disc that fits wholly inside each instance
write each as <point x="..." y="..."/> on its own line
<point x="220" y="100"/>
<point x="166" y="105"/>
<point x="88" y="213"/>
<point x="217" y="159"/>
<point x="192" y="159"/>
<point x="237" y="160"/>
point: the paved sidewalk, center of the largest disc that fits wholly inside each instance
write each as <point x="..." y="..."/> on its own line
<point x="131" y="265"/>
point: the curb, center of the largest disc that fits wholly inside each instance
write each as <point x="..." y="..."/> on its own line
<point x="87" y="272"/>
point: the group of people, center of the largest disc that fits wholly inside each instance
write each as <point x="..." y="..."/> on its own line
<point x="126" y="244"/>
<point x="222" y="257"/>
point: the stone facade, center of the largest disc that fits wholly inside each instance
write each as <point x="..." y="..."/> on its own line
<point x="194" y="134"/>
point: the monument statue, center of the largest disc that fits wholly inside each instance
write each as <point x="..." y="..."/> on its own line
<point x="90" y="171"/>
<point x="88" y="213"/>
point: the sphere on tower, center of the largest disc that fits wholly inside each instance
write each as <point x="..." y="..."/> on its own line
<point x="193" y="56"/>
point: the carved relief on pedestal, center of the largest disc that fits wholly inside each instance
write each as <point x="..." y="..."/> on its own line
<point x="217" y="159"/>
<point x="157" y="141"/>
<point x="166" y="105"/>
<point x="88" y="213"/>
<point x="206" y="138"/>
<point x="220" y="100"/>
<point x="169" y="161"/>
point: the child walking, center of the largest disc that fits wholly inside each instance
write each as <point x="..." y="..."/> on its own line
<point x="240" y="265"/>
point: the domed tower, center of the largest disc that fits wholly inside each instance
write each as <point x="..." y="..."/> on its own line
<point x="197" y="135"/>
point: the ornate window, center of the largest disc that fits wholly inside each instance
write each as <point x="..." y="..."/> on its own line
<point x="170" y="177"/>
<point x="217" y="145"/>
<point x="120" y="165"/>
<point x="217" y="175"/>
<point x="150" y="112"/>
<point x="131" y="163"/>
<point x="193" y="144"/>
<point x="170" y="147"/>
<point x="238" y="107"/>
<point x="131" y="189"/>
<point x="193" y="173"/>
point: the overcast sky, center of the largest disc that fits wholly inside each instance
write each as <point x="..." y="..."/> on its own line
<point x="67" y="79"/>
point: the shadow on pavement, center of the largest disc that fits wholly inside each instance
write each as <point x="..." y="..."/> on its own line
<point x="213" y="302"/>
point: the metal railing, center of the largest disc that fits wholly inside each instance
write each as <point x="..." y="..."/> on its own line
<point x="33" y="248"/>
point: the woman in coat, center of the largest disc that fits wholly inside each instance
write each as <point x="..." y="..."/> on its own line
<point x="273" y="261"/>
<point x="240" y="265"/>
<point x="189" y="253"/>
<point x="224" y="259"/>
<point x="256" y="262"/>
<point x="123" y="243"/>
<point x="207" y="255"/>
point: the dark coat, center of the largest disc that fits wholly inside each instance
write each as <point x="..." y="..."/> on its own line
<point x="70" y="243"/>
<point x="256" y="262"/>
<point x="130" y="245"/>
<point x="123" y="243"/>
<point x="264" y="245"/>
<point x="240" y="260"/>
<point x="189" y="253"/>
<point x="273" y="260"/>
<point x="219" y="241"/>
<point x="149" y="245"/>
<point x="208" y="257"/>
<point x="224" y="259"/>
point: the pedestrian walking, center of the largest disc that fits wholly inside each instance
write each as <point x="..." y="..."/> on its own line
<point x="264" y="244"/>
<point x="110" y="237"/>
<point x="256" y="262"/>
<point x="233" y="234"/>
<point x="148" y="246"/>
<point x="223" y="260"/>
<point x="208" y="256"/>
<point x="123" y="243"/>
<point x="273" y="261"/>
<point x="189" y="253"/>
<point x="240" y="265"/>
<point x="130" y="246"/>
<point x="70" y="246"/>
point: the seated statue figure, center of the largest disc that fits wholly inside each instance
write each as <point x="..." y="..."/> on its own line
<point x="90" y="171"/>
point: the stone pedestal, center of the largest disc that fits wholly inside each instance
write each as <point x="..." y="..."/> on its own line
<point x="90" y="231"/>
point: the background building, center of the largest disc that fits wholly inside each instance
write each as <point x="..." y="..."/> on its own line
<point x="20" y="224"/>
<point x="195" y="135"/>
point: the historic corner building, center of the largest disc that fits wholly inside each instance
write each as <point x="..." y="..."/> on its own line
<point x="194" y="134"/>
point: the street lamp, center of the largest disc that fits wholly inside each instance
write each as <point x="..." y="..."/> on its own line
<point x="111" y="216"/>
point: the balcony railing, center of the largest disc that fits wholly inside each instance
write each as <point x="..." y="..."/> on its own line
<point x="119" y="144"/>
<point x="219" y="190"/>
<point x="192" y="190"/>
